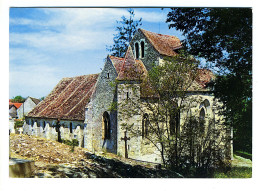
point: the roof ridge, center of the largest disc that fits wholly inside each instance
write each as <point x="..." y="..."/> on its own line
<point x="126" y="56"/>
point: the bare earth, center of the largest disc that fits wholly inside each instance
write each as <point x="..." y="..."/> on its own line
<point x="56" y="160"/>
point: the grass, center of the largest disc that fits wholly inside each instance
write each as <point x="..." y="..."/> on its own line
<point x="241" y="167"/>
<point x="244" y="154"/>
<point x="235" y="172"/>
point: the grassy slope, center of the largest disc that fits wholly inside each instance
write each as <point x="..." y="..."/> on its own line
<point x="241" y="168"/>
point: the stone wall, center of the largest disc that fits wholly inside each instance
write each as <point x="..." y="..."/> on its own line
<point x="141" y="148"/>
<point x="151" y="56"/>
<point x="103" y="97"/>
<point x="137" y="147"/>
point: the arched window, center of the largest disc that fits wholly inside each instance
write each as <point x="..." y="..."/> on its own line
<point x="202" y="119"/>
<point x="106" y="126"/>
<point x="142" y="49"/>
<point x="70" y="127"/>
<point x="175" y="123"/>
<point x="136" y="50"/>
<point x="202" y="114"/>
<point x="145" y="125"/>
<point x="206" y="103"/>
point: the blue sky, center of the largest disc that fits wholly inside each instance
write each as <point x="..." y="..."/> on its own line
<point x="47" y="44"/>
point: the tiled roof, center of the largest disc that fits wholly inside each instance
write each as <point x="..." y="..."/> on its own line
<point x="164" y="44"/>
<point x="125" y="66"/>
<point x="204" y="77"/>
<point x="17" y="105"/>
<point x="130" y="69"/>
<point x="117" y="62"/>
<point x="68" y="99"/>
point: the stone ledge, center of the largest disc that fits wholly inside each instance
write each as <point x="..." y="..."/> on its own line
<point x="20" y="168"/>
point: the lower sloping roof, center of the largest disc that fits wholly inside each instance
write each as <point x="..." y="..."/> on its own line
<point x="68" y="99"/>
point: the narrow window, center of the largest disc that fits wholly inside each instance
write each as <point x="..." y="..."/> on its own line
<point x="127" y="95"/>
<point x="70" y="127"/>
<point x="106" y="126"/>
<point x="142" y="49"/>
<point x="202" y="114"/>
<point x="202" y="119"/>
<point x="145" y="125"/>
<point x="107" y="75"/>
<point x="175" y="123"/>
<point x="136" y="50"/>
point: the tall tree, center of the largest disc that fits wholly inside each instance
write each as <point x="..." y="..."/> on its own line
<point x="125" y="31"/>
<point x="223" y="36"/>
<point x="170" y="116"/>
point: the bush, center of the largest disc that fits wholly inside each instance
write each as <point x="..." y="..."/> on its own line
<point x="72" y="143"/>
<point x="18" y="123"/>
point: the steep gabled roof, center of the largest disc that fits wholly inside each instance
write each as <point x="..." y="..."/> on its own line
<point x="130" y="69"/>
<point x="117" y="62"/>
<point x="164" y="44"/>
<point x="68" y="99"/>
<point x="17" y="105"/>
<point x="204" y="77"/>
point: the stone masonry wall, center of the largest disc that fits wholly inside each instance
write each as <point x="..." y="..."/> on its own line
<point x="151" y="56"/>
<point x="101" y="101"/>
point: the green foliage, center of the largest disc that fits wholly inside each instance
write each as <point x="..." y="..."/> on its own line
<point x="18" y="99"/>
<point x="126" y="30"/>
<point x="42" y="98"/>
<point x="113" y="106"/>
<point x="72" y="143"/>
<point x="235" y="172"/>
<point x="223" y="37"/>
<point x="190" y="146"/>
<point x="18" y="123"/>
<point x="244" y="154"/>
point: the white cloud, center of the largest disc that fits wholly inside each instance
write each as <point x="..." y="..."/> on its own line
<point x="55" y="40"/>
<point x="36" y="81"/>
<point x="74" y="29"/>
<point x="27" y="56"/>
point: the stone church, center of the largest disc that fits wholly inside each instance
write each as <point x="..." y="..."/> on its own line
<point x="81" y="105"/>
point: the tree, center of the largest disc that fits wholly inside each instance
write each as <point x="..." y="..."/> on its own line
<point x="223" y="37"/>
<point x="18" y="99"/>
<point x="184" y="141"/>
<point x="126" y="30"/>
<point x="42" y="98"/>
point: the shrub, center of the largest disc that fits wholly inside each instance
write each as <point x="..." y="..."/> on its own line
<point x="18" y="123"/>
<point x="72" y="143"/>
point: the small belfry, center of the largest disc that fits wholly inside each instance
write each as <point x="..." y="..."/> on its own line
<point x="82" y="105"/>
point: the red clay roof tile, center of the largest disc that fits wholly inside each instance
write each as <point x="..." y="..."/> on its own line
<point x="68" y="99"/>
<point x="164" y="44"/>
